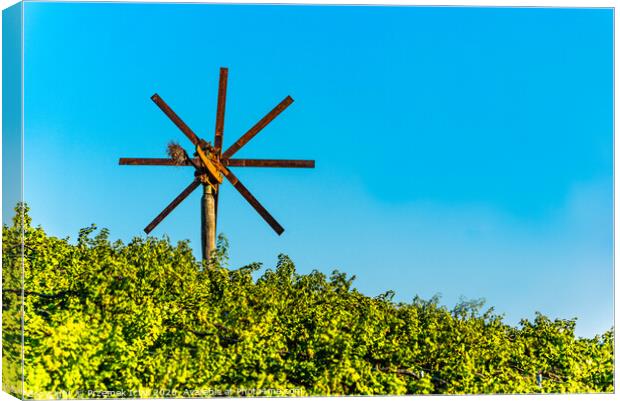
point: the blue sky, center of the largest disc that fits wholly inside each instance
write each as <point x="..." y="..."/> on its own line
<point x="461" y="151"/>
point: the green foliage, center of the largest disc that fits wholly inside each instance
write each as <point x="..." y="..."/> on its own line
<point x="147" y="316"/>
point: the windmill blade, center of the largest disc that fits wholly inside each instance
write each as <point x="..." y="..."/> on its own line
<point x="144" y="161"/>
<point x="175" y="119"/>
<point x="268" y="163"/>
<point x="251" y="199"/>
<point x="245" y="138"/>
<point x="221" y="109"/>
<point x="190" y="188"/>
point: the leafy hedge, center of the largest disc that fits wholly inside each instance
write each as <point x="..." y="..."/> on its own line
<point x="147" y="317"/>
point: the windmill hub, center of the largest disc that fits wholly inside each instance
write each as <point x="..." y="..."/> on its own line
<point x="211" y="165"/>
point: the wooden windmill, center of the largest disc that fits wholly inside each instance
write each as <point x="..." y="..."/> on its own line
<point x="211" y="165"/>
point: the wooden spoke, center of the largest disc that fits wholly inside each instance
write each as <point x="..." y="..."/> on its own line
<point x="268" y="163"/>
<point x="208" y="165"/>
<point x="175" y="118"/>
<point x="190" y="188"/>
<point x="142" y="161"/>
<point x="245" y="138"/>
<point x="251" y="199"/>
<point x="221" y="109"/>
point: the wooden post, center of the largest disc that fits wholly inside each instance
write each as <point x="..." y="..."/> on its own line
<point x="207" y="208"/>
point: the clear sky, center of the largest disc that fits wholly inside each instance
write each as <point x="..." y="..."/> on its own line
<point x="460" y="151"/>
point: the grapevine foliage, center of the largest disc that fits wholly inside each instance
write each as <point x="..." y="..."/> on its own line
<point x="147" y="316"/>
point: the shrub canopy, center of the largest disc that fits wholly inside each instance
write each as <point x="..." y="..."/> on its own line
<point x="147" y="319"/>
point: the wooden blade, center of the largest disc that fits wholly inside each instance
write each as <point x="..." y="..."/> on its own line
<point x="268" y="163"/>
<point x="251" y="199"/>
<point x="143" y="161"/>
<point x="175" y="118"/>
<point x="245" y="138"/>
<point x="221" y="109"/>
<point x="208" y="165"/>
<point x="190" y="188"/>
